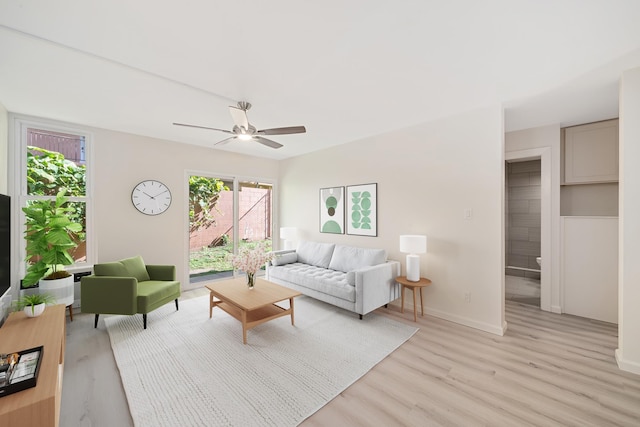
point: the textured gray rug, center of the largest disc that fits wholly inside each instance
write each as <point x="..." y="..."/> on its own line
<point x="188" y="370"/>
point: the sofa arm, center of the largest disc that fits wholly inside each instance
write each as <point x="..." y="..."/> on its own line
<point x="109" y="295"/>
<point x="376" y="286"/>
<point x="161" y="272"/>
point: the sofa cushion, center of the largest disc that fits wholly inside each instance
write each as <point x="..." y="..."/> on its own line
<point x="136" y="268"/>
<point x="323" y="280"/>
<point x="283" y="259"/>
<point x="349" y="258"/>
<point x="314" y="253"/>
<point x="110" y="269"/>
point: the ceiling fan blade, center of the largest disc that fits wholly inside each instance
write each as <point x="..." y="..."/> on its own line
<point x="224" y="141"/>
<point x="239" y="117"/>
<point x="282" y="131"/>
<point x="202" y="127"/>
<point x="267" y="142"/>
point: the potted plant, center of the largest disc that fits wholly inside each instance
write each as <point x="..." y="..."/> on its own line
<point x="50" y="235"/>
<point x="33" y="305"/>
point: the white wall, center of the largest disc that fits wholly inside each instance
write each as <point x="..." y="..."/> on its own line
<point x="4" y="155"/>
<point x="121" y="161"/>
<point x="628" y="352"/>
<point x="544" y="141"/>
<point x="427" y="176"/>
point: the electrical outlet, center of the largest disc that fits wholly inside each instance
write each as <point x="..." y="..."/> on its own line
<point x="468" y="214"/>
<point x="467" y="297"/>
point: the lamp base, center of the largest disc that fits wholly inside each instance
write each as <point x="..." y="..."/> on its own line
<point x="413" y="268"/>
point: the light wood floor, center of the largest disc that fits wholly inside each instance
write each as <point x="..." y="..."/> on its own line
<point x="548" y="370"/>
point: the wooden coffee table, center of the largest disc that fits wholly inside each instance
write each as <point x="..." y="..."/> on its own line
<point x="251" y="307"/>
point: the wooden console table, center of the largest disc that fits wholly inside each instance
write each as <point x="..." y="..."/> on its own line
<point x="39" y="405"/>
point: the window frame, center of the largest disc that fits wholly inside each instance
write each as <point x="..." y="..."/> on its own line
<point x="236" y="180"/>
<point x="18" y="125"/>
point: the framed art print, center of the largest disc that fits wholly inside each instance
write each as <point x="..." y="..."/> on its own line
<point x="362" y="210"/>
<point x="332" y="210"/>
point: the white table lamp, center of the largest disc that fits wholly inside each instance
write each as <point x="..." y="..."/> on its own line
<point x="289" y="234"/>
<point x="413" y="245"/>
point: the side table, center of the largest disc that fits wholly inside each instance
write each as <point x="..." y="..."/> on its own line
<point x="420" y="284"/>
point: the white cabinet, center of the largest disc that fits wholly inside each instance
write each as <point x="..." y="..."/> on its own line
<point x="589" y="271"/>
<point x="591" y="153"/>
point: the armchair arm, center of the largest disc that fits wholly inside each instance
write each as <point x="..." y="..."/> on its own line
<point x="109" y="295"/>
<point x="162" y="272"/>
<point x="376" y="286"/>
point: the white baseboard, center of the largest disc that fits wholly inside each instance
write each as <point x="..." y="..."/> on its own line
<point x="625" y="365"/>
<point x="493" y="329"/>
<point x="556" y="309"/>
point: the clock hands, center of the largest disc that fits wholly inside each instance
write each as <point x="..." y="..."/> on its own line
<point x="154" y="197"/>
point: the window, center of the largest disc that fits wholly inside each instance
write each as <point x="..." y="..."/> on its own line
<point x="51" y="158"/>
<point x="225" y="214"/>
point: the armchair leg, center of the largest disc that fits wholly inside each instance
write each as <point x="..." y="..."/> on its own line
<point x="144" y="320"/>
<point x="176" y="304"/>
<point x="361" y="317"/>
<point x="95" y="323"/>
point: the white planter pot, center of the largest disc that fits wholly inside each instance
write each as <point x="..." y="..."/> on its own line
<point x="60" y="289"/>
<point x="34" y="310"/>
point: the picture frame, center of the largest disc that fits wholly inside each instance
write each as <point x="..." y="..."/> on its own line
<point x="332" y="210"/>
<point x="362" y="210"/>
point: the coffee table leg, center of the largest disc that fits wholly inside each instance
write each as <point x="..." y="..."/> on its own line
<point x="210" y="304"/>
<point x="244" y="327"/>
<point x="291" y="307"/>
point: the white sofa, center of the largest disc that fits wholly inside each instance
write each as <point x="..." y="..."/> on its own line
<point x="353" y="278"/>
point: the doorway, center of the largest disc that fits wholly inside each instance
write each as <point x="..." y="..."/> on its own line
<point x="225" y="214"/>
<point x="542" y="154"/>
<point x="523" y="231"/>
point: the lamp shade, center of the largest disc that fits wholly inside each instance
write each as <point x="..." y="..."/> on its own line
<point x="288" y="233"/>
<point x="413" y="244"/>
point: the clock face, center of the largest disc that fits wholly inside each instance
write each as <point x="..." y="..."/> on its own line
<point x="151" y="197"/>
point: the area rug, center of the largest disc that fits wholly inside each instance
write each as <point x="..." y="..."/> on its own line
<point x="188" y="370"/>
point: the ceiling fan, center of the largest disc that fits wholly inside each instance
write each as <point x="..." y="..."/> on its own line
<point x="245" y="131"/>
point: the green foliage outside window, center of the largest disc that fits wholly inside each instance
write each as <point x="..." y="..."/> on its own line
<point x="48" y="172"/>
<point x="203" y="195"/>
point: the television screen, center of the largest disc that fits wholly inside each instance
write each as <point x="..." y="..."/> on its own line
<point x="5" y="243"/>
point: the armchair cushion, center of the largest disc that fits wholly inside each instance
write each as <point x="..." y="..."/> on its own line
<point x="136" y="268"/>
<point x="110" y="269"/>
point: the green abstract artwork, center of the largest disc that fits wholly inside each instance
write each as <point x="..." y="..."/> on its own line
<point x="332" y="210"/>
<point x="362" y="210"/>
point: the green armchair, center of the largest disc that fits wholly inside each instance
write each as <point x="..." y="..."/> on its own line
<point x="128" y="286"/>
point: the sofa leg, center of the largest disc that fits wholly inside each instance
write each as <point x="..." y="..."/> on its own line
<point x="361" y="317"/>
<point x="176" y="304"/>
<point x="95" y="323"/>
<point x="144" y="320"/>
<point x="386" y="306"/>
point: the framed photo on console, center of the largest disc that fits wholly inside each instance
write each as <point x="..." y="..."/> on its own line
<point x="332" y="210"/>
<point x="362" y="210"/>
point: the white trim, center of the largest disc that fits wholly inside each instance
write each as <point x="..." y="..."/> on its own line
<point x="626" y="365"/>
<point x="466" y="321"/>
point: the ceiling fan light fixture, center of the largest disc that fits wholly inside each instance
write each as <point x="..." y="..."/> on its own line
<point x="245" y="137"/>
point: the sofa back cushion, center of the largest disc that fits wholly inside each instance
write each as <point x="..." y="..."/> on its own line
<point x="110" y="269"/>
<point x="350" y="258"/>
<point x="314" y="253"/>
<point x="136" y="268"/>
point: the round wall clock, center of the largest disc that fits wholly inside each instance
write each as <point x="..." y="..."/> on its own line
<point x="151" y="197"/>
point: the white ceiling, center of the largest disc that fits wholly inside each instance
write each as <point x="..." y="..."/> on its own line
<point x="344" y="69"/>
